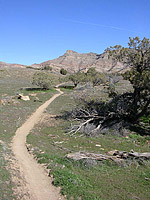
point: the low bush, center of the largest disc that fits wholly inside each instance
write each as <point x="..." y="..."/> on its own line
<point x="47" y="67"/>
<point x="42" y="80"/>
<point x="63" y="71"/>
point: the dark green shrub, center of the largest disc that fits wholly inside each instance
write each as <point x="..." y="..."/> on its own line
<point x="63" y="71"/>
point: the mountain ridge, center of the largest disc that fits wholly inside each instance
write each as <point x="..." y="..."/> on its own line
<point x="73" y="61"/>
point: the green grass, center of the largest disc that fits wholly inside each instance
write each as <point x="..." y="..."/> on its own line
<point x="146" y="119"/>
<point x="5" y="179"/>
<point x="82" y="180"/>
<point x="73" y="185"/>
<point x="103" y="181"/>
<point x="78" y="180"/>
<point x="13" y="115"/>
<point x="66" y="100"/>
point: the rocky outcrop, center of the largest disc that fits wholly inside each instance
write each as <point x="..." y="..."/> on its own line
<point x="73" y="62"/>
<point x="24" y="98"/>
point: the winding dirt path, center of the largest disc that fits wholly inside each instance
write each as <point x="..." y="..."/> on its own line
<point x="38" y="184"/>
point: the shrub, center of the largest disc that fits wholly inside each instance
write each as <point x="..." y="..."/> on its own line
<point x="42" y="80"/>
<point x="63" y="71"/>
<point x="47" y="67"/>
<point x="111" y="91"/>
<point x="95" y="77"/>
<point x="77" y="78"/>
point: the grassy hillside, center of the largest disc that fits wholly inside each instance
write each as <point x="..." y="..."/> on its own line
<point x="12" y="114"/>
<point x="88" y="180"/>
<point x="50" y="143"/>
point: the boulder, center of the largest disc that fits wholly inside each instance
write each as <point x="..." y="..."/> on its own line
<point x="33" y="95"/>
<point x="2" y="102"/>
<point x="24" y="98"/>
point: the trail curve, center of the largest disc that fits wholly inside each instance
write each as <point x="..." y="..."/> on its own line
<point x="38" y="183"/>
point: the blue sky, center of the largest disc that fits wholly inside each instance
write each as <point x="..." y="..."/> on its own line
<point x="33" y="31"/>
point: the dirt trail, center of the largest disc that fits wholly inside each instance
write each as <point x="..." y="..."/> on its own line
<point x="38" y="184"/>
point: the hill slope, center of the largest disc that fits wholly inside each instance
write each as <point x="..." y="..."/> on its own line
<point x="7" y="65"/>
<point x="73" y="61"/>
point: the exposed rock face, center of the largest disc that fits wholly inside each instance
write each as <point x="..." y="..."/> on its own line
<point x="73" y="62"/>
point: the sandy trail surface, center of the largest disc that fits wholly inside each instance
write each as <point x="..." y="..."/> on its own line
<point x="38" y="184"/>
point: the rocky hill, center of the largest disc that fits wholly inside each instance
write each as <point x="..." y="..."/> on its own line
<point x="73" y="62"/>
<point x="7" y="65"/>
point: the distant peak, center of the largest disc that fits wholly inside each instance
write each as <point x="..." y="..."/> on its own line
<point x="70" y="52"/>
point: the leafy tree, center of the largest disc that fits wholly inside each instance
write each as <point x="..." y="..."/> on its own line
<point x="98" y="79"/>
<point x="95" y="77"/>
<point x="77" y="78"/>
<point x="42" y="80"/>
<point x="63" y="71"/>
<point x="137" y="55"/>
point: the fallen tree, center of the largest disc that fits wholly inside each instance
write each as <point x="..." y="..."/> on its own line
<point x="94" y="117"/>
<point x="123" y="110"/>
<point x="115" y="155"/>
